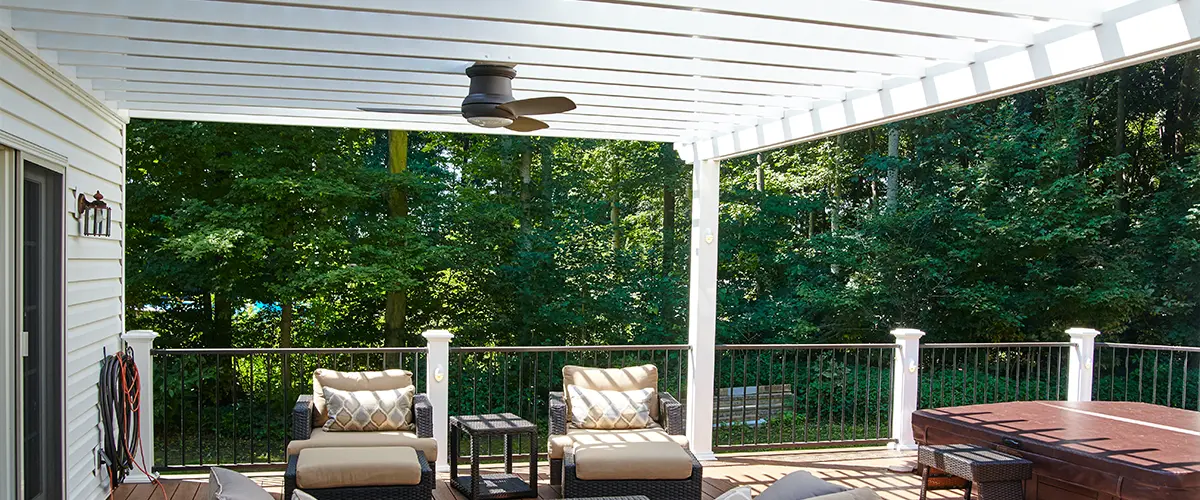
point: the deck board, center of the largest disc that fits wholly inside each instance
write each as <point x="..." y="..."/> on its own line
<point x="857" y="467"/>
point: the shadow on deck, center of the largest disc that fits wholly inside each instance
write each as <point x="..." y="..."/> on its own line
<point x="856" y="467"/>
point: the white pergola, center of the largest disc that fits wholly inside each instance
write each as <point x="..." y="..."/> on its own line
<point x="718" y="78"/>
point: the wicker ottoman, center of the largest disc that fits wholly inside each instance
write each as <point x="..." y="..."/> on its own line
<point x="1000" y="476"/>
<point x="658" y="471"/>
<point x="362" y="473"/>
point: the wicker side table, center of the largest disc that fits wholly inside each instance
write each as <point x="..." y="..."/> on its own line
<point x="492" y="486"/>
<point x="1000" y="476"/>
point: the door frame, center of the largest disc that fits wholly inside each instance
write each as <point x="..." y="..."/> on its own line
<point x="9" y="484"/>
<point x="17" y="182"/>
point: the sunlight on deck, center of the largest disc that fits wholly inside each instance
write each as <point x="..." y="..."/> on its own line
<point x="860" y="467"/>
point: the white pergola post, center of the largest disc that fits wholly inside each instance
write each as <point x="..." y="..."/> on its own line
<point x="1079" y="371"/>
<point x="142" y="341"/>
<point x="437" y="386"/>
<point x="702" y="306"/>
<point x="905" y="386"/>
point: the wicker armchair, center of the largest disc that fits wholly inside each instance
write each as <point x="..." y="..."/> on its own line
<point x="669" y="427"/>
<point x="307" y="422"/>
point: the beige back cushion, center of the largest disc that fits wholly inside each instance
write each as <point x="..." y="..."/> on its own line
<point x="353" y="381"/>
<point x="629" y="378"/>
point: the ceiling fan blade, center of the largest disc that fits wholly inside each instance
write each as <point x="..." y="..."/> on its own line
<point x="404" y="111"/>
<point x="538" y="106"/>
<point x="526" y="124"/>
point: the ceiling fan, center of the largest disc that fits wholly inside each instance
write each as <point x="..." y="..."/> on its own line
<point x="490" y="103"/>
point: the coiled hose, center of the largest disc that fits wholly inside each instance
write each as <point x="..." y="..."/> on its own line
<point x="120" y="416"/>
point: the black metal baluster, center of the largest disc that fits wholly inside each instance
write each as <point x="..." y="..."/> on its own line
<point x="1170" y="376"/>
<point x="1141" y="378"/>
<point x="819" y="419"/>
<point x="854" y="399"/>
<point x="757" y="392"/>
<point x="795" y="387"/>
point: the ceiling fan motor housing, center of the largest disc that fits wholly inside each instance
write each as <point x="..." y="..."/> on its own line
<point x="491" y="86"/>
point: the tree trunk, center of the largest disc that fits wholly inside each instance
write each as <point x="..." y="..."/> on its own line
<point x="547" y="179"/>
<point x="759" y="184"/>
<point x="614" y="203"/>
<point x="893" y="171"/>
<point x="222" y="321"/>
<point x="526" y="188"/>
<point x="397" y="299"/>
<point x="1122" y="176"/>
<point x="667" y="307"/>
<point x="285" y="342"/>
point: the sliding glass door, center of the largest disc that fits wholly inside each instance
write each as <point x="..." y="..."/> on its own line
<point x="40" y="339"/>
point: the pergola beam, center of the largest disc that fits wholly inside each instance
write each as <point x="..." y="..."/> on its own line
<point x="419" y="95"/>
<point x="1058" y="55"/>
<point x="817" y="44"/>
<point x="745" y="22"/>
<point x="834" y="83"/>
<point x="462" y="52"/>
<point x="862" y="14"/>
<point x="347" y="78"/>
<point x="278" y="116"/>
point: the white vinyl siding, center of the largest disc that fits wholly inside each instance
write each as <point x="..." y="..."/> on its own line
<point x="38" y="111"/>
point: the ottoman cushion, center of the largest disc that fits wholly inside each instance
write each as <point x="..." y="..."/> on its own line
<point x="975" y="463"/>
<point x="632" y="461"/>
<point x="581" y="437"/>
<point x="319" y="468"/>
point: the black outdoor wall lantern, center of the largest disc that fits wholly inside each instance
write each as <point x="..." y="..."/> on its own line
<point x="95" y="216"/>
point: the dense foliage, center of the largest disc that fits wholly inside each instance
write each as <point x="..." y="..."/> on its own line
<point x="1075" y="205"/>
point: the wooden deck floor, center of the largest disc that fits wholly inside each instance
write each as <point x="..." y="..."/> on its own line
<point x="859" y="467"/>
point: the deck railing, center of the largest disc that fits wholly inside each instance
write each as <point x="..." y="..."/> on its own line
<point x="795" y="395"/>
<point x="519" y="379"/>
<point x="232" y="407"/>
<point x="1162" y="375"/>
<point x="978" y="373"/>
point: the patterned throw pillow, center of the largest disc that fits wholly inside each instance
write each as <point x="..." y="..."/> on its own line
<point x="610" y="409"/>
<point x="389" y="410"/>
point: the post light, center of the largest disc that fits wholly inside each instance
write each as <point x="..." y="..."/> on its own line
<point x="94" y="216"/>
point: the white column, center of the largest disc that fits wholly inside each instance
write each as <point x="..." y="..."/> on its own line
<point x="141" y="341"/>
<point x="1079" y="367"/>
<point x="702" y="306"/>
<point x="437" y="385"/>
<point x="905" y="386"/>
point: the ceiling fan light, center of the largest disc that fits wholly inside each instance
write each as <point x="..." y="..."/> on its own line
<point x="490" y="121"/>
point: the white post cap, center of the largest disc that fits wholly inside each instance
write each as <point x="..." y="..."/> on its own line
<point x="438" y="335"/>
<point x="907" y="333"/>
<point x="1083" y="332"/>
<point x="140" y="335"/>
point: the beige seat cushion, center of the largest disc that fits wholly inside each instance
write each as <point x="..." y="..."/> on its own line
<point x="575" y="437"/>
<point x="353" y="381"/>
<point x="639" y="461"/>
<point x="325" y="439"/>
<point x="613" y="379"/>
<point x="318" y="468"/>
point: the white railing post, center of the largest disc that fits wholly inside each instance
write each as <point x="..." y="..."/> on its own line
<point x="702" y="307"/>
<point x="1079" y="367"/>
<point x="437" y="386"/>
<point x="142" y="341"/>
<point x="905" y="386"/>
